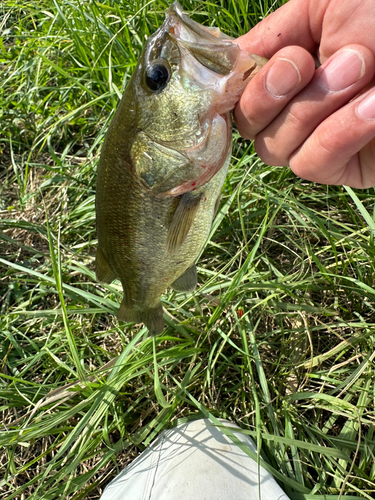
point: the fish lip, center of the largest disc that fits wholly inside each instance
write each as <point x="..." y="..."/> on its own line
<point x="208" y="33"/>
<point x="176" y="8"/>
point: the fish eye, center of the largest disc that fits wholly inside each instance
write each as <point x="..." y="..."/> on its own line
<point x="157" y="76"/>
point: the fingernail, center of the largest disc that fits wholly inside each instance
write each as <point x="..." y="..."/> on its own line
<point x="282" y="78"/>
<point x="366" y="108"/>
<point x="344" y="70"/>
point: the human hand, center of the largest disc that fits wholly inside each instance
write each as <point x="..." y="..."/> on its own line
<point x="319" y="122"/>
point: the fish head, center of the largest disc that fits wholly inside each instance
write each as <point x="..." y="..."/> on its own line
<point x="188" y="79"/>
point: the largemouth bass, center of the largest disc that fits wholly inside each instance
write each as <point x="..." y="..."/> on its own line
<point x="164" y="162"/>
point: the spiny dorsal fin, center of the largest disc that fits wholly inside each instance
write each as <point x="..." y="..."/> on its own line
<point x="182" y="220"/>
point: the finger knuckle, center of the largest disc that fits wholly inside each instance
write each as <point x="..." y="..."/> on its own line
<point x="269" y="152"/>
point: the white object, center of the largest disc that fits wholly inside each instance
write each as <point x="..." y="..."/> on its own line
<point x="194" y="461"/>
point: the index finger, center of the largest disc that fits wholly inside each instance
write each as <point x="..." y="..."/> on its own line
<point x="288" y="25"/>
<point x="284" y="76"/>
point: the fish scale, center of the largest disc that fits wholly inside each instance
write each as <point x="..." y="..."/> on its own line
<point x="164" y="162"/>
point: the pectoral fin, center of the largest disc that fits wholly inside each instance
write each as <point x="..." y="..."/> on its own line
<point x="104" y="273"/>
<point x="182" y="220"/>
<point x="217" y="203"/>
<point x="187" y="281"/>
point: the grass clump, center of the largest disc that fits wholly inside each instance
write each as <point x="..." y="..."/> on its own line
<point x="278" y="337"/>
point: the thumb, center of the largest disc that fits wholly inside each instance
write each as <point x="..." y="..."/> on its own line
<point x="288" y="25"/>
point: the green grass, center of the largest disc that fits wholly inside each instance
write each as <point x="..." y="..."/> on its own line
<point x="278" y="337"/>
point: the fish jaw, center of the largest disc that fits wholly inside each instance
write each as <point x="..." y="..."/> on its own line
<point x="210" y="59"/>
<point x="191" y="125"/>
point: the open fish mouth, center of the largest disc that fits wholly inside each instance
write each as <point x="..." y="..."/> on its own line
<point x="210" y="58"/>
<point x="207" y="45"/>
<point x="193" y="76"/>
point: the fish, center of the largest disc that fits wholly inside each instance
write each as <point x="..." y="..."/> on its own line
<point x="164" y="161"/>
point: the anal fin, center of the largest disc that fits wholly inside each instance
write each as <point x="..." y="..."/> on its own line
<point x="104" y="273"/>
<point x="151" y="317"/>
<point x="187" y="281"/>
<point x="182" y="220"/>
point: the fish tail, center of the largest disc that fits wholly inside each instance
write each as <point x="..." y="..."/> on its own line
<point x="151" y="317"/>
